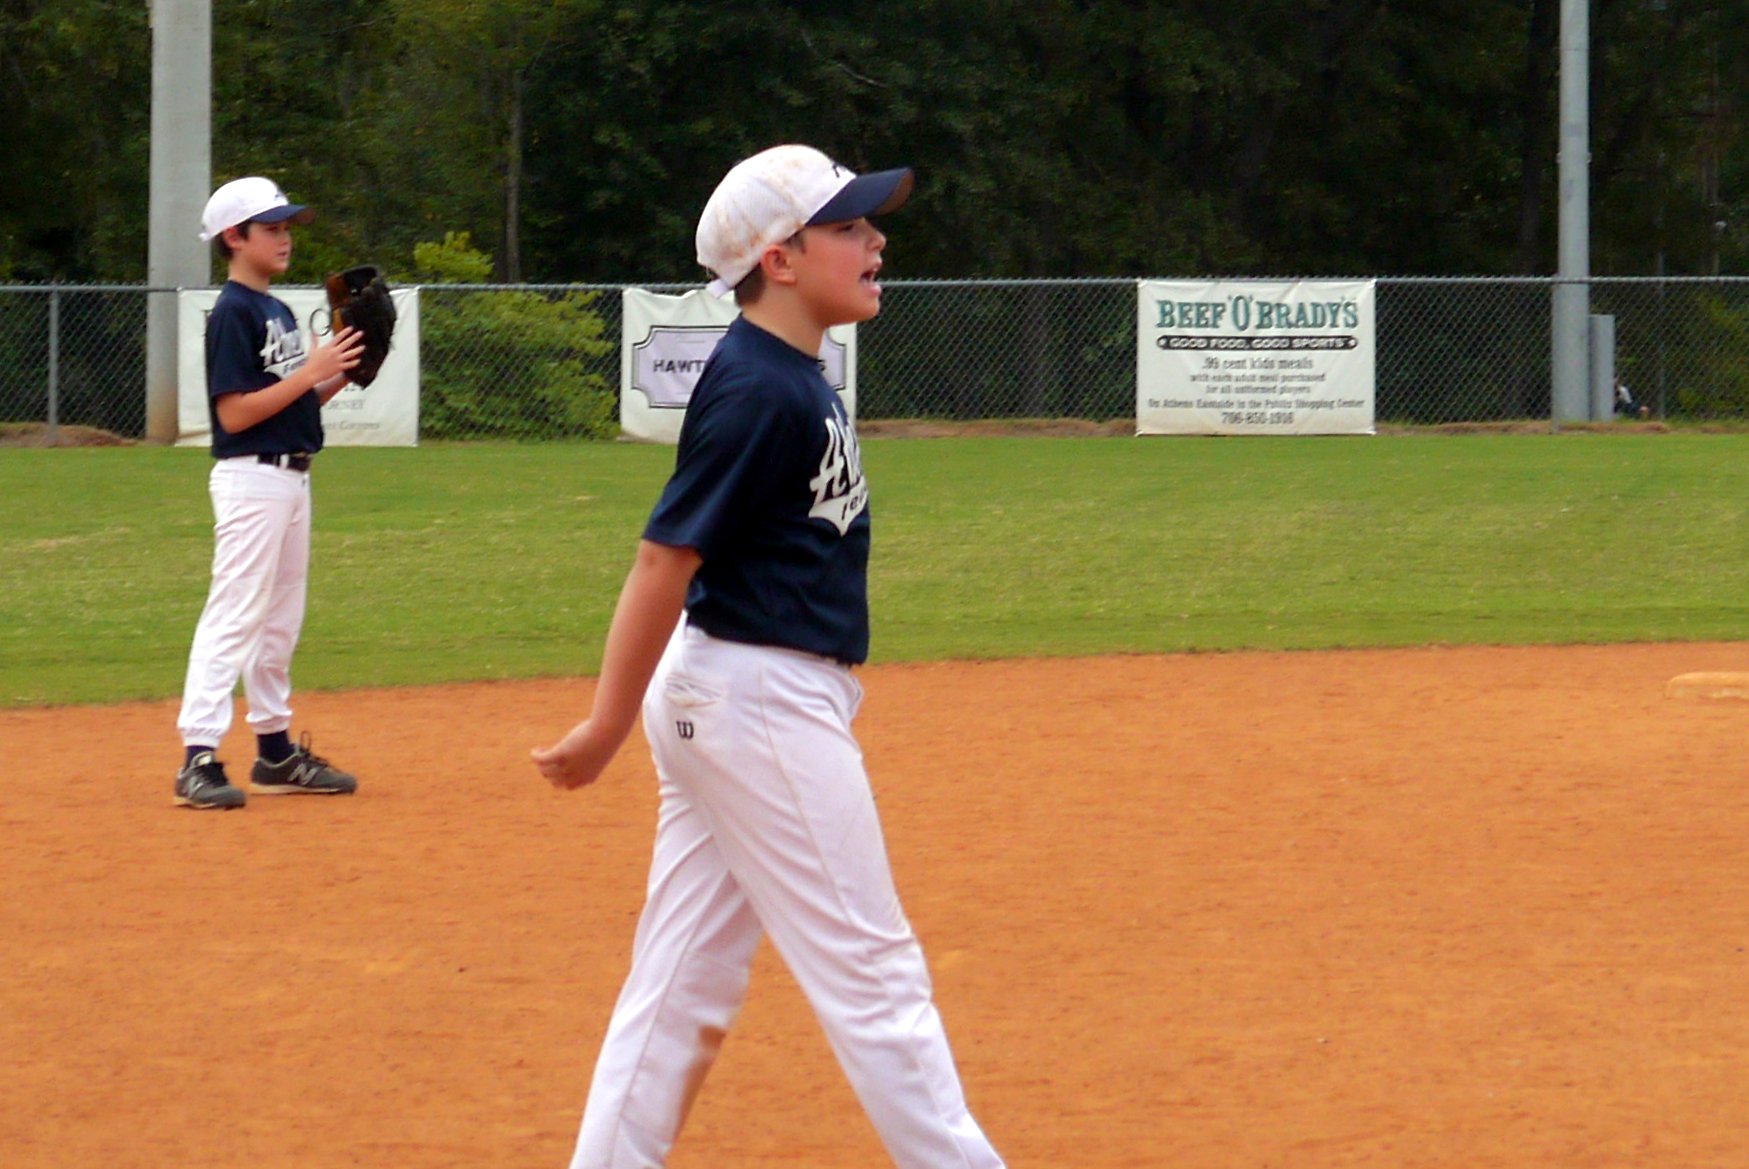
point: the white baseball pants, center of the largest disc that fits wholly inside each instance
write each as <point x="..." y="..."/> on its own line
<point x="768" y="825"/>
<point x="255" y="606"/>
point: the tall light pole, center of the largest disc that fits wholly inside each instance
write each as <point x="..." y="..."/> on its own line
<point x="181" y="179"/>
<point x="1569" y="343"/>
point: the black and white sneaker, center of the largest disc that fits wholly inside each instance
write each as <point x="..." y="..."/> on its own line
<point x="301" y="773"/>
<point x="202" y="784"/>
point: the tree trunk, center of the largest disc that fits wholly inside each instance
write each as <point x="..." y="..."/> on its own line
<point x="511" y="262"/>
<point x="1537" y="130"/>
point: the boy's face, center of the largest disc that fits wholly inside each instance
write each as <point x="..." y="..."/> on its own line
<point x="835" y="267"/>
<point x="266" y="250"/>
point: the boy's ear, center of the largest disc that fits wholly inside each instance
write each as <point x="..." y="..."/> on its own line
<point x="233" y="236"/>
<point x="775" y="264"/>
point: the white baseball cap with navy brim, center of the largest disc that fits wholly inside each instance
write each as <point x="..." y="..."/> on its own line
<point x="767" y="198"/>
<point x="243" y="200"/>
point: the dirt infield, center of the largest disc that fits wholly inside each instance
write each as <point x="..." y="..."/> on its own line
<point x="1445" y="907"/>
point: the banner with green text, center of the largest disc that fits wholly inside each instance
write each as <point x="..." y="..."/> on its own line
<point x="1254" y="357"/>
<point x="387" y="414"/>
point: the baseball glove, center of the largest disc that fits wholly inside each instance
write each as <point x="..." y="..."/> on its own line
<point x="360" y="299"/>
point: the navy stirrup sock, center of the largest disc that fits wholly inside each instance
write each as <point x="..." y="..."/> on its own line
<point x="275" y="748"/>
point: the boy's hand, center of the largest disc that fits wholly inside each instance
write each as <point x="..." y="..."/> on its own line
<point x="336" y="357"/>
<point x="579" y="758"/>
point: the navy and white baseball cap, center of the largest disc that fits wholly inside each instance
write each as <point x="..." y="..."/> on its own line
<point x="253" y="198"/>
<point x="765" y="199"/>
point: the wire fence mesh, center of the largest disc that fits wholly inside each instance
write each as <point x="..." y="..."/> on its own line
<point x="74" y="355"/>
<point x="543" y="361"/>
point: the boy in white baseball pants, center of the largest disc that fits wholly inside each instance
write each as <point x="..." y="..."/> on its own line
<point x="266" y="385"/>
<point x="767" y="823"/>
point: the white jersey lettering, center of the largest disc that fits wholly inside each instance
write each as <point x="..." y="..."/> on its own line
<point x="840" y="491"/>
<point x="283" y="354"/>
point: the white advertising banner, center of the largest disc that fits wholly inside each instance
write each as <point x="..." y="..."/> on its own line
<point x="1255" y="357"/>
<point x="385" y="414"/>
<point x="664" y="343"/>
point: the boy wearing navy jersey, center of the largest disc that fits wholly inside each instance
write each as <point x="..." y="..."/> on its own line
<point x="267" y="381"/>
<point x="744" y="611"/>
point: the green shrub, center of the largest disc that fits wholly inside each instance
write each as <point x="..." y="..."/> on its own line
<point x="508" y="364"/>
<point x="1722" y="387"/>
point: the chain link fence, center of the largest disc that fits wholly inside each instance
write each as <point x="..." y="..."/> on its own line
<point x="542" y="361"/>
<point x="74" y="356"/>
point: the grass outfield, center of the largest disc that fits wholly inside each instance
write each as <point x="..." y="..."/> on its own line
<point x="499" y="561"/>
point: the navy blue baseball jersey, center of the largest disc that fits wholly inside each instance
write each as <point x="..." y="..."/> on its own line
<point x="253" y="341"/>
<point x="768" y="488"/>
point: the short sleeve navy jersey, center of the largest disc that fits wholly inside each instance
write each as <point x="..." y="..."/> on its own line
<point x="768" y="489"/>
<point x="253" y="341"/>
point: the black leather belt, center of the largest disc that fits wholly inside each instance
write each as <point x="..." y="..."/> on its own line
<point x="297" y="462"/>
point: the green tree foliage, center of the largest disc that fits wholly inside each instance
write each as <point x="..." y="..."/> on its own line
<point x="504" y="364"/>
<point x="1719" y="384"/>
<point x="1670" y="168"/>
<point x="1055" y="138"/>
<point x="74" y="133"/>
<point x="1116" y="137"/>
<point x="453" y="109"/>
<point x="291" y="87"/>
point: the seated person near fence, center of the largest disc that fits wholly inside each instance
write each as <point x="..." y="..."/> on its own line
<point x="1625" y="404"/>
